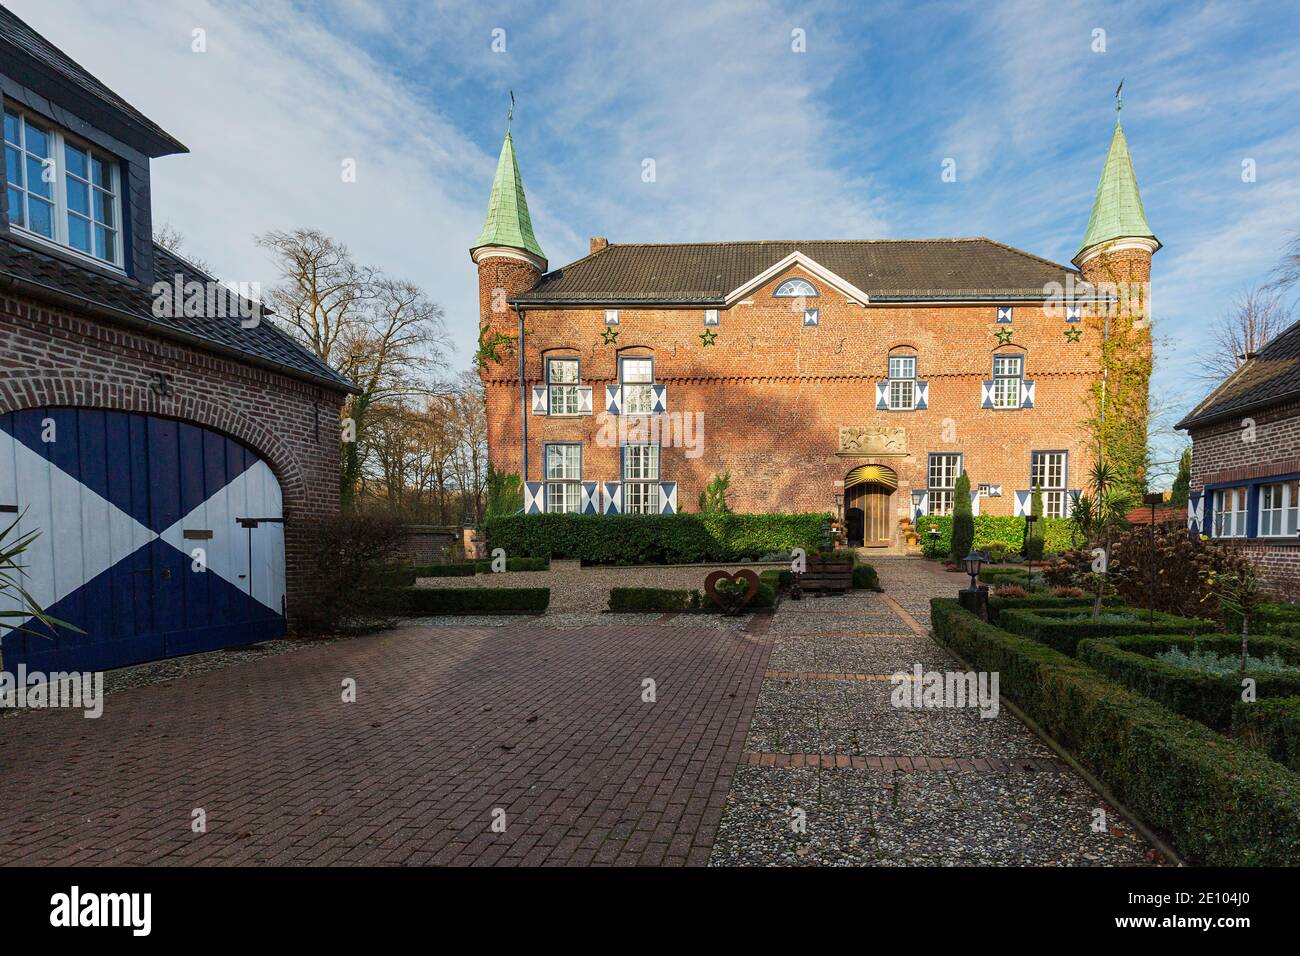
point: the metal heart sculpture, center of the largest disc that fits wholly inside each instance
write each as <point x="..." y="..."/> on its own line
<point x="732" y="599"/>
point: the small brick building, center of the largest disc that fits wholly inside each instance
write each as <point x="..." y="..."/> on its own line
<point x="165" y="439"/>
<point x="859" y="375"/>
<point x="1246" y="461"/>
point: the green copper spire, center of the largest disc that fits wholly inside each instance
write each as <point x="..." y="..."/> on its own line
<point x="508" y="222"/>
<point x="1117" y="211"/>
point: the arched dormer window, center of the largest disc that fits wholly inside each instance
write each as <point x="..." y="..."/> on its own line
<point x="794" y="289"/>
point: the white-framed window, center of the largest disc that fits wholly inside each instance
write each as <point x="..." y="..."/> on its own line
<point x="611" y="316"/>
<point x="794" y="289"/>
<point x="902" y="382"/>
<point x="944" y="471"/>
<point x="1047" y="474"/>
<point x="1008" y="370"/>
<point x="61" y="189"/>
<point x="1279" y="509"/>
<point x="562" y="382"/>
<point x="563" y="478"/>
<point x="1230" y="512"/>
<point x="641" y="479"/>
<point x="637" y="375"/>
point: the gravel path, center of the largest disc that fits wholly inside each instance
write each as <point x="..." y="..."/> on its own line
<point x="834" y="774"/>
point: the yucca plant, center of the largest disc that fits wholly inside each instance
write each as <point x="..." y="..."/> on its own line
<point x="12" y="594"/>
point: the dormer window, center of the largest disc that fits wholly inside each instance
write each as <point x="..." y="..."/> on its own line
<point x="794" y="289"/>
<point x="60" y="189"/>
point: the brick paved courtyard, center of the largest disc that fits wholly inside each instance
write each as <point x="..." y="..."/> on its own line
<point x="449" y="724"/>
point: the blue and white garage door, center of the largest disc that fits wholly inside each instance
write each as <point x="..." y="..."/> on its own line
<point x="157" y="537"/>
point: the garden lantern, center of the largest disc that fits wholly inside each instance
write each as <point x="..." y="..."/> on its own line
<point x="971" y="564"/>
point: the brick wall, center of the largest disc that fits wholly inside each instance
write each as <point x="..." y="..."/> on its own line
<point x="774" y="394"/>
<point x="1256" y="445"/>
<point x="50" y="357"/>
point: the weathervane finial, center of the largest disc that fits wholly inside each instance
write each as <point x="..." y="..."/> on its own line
<point x="1119" y="97"/>
<point x="510" y="116"/>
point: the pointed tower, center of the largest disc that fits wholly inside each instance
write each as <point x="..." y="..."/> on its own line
<point x="1119" y="243"/>
<point x="507" y="254"/>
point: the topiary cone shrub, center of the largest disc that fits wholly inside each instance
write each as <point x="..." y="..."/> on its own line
<point x="963" y="521"/>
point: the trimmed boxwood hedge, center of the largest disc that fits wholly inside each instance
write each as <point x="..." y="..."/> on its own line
<point x="1000" y="576"/>
<point x="692" y="538"/>
<point x="1218" y="801"/>
<point x="1282" y="620"/>
<point x="993" y="529"/>
<point x="1271" y="727"/>
<point x="1057" y="628"/>
<point x="865" y="578"/>
<point x="999" y="604"/>
<point x="477" y="600"/>
<point x="1208" y="698"/>
<point x="467" y="569"/>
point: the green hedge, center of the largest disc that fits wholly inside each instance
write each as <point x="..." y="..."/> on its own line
<point x="1281" y="620"/>
<point x="1208" y="698"/>
<point x="1271" y="727"/>
<point x="467" y="569"/>
<point x="477" y="600"/>
<point x="1218" y="801"/>
<point x="996" y="577"/>
<point x="990" y="529"/>
<point x="865" y="578"/>
<point x="999" y="604"/>
<point x="692" y="538"/>
<point x="624" y="600"/>
<point x="1057" y="627"/>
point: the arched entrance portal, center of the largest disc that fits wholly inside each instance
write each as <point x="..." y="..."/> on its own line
<point x="867" y="490"/>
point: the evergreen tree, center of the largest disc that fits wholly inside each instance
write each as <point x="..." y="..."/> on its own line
<point x="963" y="522"/>
<point x="1182" y="489"/>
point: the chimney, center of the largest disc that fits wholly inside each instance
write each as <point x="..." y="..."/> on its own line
<point x="598" y="244"/>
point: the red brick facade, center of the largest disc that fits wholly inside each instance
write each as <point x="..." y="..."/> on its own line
<point x="51" y="357"/>
<point x="1243" y="449"/>
<point x="772" y="394"/>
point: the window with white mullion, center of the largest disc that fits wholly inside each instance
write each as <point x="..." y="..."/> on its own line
<point x="641" y="479"/>
<point x="636" y="376"/>
<point x="61" y="189"/>
<point x="563" y="478"/>
<point x="1230" y="513"/>
<point x="562" y="380"/>
<point x="902" y="382"/>
<point x="1279" y="506"/>
<point x="944" y="470"/>
<point x="1008" y="371"/>
<point x="1047" y="474"/>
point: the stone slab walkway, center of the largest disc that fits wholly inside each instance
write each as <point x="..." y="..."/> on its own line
<point x="834" y="774"/>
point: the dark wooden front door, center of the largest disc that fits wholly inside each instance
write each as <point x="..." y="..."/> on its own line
<point x="875" y="517"/>
<point x="853" y="527"/>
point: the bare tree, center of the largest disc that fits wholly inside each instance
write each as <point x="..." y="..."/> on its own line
<point x="1257" y="316"/>
<point x="171" y="239"/>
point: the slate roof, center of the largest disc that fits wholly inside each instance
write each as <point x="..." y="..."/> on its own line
<point x="886" y="270"/>
<point x="81" y="89"/>
<point x="128" y="301"/>
<point x="1270" y="378"/>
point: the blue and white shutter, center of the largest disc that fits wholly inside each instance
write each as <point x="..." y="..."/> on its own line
<point x="986" y="394"/>
<point x="590" y="504"/>
<point x="1024" y="503"/>
<point x="975" y="503"/>
<point x="668" y="497"/>
<point x="995" y="491"/>
<point x="659" y="399"/>
<point x="1074" y="313"/>
<point x="922" y="395"/>
<point x="1026" y="393"/>
<point x="613" y="399"/>
<point x="534" y="497"/>
<point x="584" y="399"/>
<point x="613" y="497"/>
<point x="1072" y="499"/>
<point x="882" y="396"/>
<point x="920" y="503"/>
<point x="540" y="399"/>
<point x="1005" y="313"/>
<point x="1195" y="514"/>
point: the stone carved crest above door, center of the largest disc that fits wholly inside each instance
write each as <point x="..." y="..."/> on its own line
<point x="872" y="441"/>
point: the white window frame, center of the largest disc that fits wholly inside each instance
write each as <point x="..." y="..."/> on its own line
<point x="563" y="485"/>
<point x="1047" y="470"/>
<point x="1006" y="385"/>
<point x="1284" y="511"/>
<point x="562" y="397"/>
<point x="640" y="473"/>
<point x="941" y="481"/>
<point x="638" y="397"/>
<point x="60" y="138"/>
<point x="795" y="289"/>
<point x="1230" y="512"/>
<point x="902" y="383"/>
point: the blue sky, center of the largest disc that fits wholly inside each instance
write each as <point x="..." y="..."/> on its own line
<point x="750" y="139"/>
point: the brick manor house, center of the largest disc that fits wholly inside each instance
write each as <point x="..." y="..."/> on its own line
<point x="821" y="375"/>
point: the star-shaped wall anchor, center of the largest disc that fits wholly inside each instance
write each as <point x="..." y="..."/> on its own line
<point x="708" y="337"/>
<point x="610" y="335"/>
<point x="1072" y="335"/>
<point x="1004" y="336"/>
